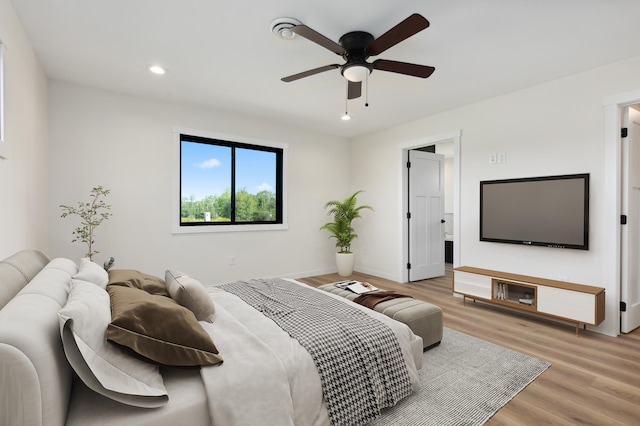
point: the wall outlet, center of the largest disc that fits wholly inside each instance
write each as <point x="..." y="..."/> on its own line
<point x="502" y="157"/>
<point x="492" y="158"/>
<point x="232" y="260"/>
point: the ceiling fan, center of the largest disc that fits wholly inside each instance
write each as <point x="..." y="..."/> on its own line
<point x="357" y="46"/>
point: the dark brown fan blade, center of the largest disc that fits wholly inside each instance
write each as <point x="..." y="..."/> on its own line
<point x="405" y="29"/>
<point x="316" y="37"/>
<point x="309" y="73"/>
<point x="422" y="71"/>
<point x="354" y="89"/>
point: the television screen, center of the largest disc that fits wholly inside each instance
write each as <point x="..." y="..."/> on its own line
<point x="550" y="211"/>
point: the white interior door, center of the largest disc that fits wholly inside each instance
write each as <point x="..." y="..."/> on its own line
<point x="426" y="210"/>
<point x="630" y="238"/>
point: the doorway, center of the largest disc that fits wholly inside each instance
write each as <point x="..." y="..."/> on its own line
<point x="614" y="108"/>
<point x="630" y="220"/>
<point x="453" y="139"/>
<point x="425" y="214"/>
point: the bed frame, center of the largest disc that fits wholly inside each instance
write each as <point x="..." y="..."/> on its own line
<point x="16" y="271"/>
<point x="37" y="384"/>
<point x="35" y="378"/>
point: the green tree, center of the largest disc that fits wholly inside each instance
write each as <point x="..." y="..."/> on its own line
<point x="223" y="205"/>
<point x="91" y="216"/>
<point x="258" y="207"/>
<point x="185" y="208"/>
<point x="246" y="205"/>
<point x="209" y="205"/>
<point x="265" y="206"/>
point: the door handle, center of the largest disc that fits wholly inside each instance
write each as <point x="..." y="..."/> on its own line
<point x="442" y="221"/>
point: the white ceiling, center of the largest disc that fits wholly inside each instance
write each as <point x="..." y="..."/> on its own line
<point x="222" y="54"/>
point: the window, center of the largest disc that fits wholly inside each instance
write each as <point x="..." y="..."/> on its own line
<point x="228" y="184"/>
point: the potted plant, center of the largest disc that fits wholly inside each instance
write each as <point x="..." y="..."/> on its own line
<point x="343" y="212"/>
<point x="91" y="214"/>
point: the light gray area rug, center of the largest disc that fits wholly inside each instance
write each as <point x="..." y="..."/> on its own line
<point x="465" y="381"/>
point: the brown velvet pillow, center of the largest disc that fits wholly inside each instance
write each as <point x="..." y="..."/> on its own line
<point x="158" y="328"/>
<point x="137" y="279"/>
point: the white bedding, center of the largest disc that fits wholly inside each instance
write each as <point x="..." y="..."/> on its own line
<point x="267" y="377"/>
<point x="266" y="374"/>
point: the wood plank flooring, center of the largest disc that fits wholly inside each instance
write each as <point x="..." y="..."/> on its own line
<point x="593" y="380"/>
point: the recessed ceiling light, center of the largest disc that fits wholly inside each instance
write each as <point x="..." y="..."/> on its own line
<point x="157" y="69"/>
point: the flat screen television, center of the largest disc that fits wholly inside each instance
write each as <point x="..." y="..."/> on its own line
<point x="551" y="211"/>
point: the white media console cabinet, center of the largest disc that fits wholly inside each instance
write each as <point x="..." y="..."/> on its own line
<point x="576" y="303"/>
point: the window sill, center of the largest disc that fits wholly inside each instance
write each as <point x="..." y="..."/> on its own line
<point x="177" y="229"/>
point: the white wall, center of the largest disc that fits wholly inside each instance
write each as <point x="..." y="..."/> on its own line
<point x="24" y="187"/>
<point x="554" y="128"/>
<point x="125" y="144"/>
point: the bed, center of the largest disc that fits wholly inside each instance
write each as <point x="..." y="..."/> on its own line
<point x="263" y="373"/>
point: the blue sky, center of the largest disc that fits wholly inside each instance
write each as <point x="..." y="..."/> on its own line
<point x="206" y="170"/>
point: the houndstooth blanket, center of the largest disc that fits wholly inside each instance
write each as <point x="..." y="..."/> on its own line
<point x="358" y="358"/>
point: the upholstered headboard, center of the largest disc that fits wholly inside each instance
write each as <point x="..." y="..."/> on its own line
<point x="17" y="270"/>
<point x="35" y="377"/>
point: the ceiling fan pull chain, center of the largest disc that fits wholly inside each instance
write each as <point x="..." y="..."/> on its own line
<point x="346" y="115"/>
<point x="366" y="90"/>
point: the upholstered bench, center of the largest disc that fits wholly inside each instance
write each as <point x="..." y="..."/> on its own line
<point x="424" y="319"/>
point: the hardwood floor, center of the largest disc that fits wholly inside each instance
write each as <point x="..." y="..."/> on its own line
<point x="593" y="379"/>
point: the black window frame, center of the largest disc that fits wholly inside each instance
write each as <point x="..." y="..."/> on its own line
<point x="279" y="152"/>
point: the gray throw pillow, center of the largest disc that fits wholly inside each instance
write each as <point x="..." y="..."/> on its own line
<point x="191" y="294"/>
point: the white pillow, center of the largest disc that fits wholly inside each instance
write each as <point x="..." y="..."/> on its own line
<point x="191" y="294"/>
<point x="92" y="272"/>
<point x="103" y="366"/>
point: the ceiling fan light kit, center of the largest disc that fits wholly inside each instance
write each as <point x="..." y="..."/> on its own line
<point x="356" y="47"/>
<point x="355" y="73"/>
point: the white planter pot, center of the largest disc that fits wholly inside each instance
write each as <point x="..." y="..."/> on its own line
<point x="344" y="263"/>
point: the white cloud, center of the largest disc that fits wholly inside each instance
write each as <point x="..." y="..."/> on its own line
<point x="209" y="164"/>
<point x="265" y="187"/>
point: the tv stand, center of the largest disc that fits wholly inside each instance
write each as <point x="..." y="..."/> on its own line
<point x="576" y="303"/>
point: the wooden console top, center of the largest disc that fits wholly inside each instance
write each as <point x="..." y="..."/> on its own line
<point x="533" y="280"/>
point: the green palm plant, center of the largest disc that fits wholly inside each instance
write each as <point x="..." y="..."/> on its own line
<point x="343" y="212"/>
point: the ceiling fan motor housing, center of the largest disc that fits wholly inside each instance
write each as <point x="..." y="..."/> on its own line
<point x="356" y="41"/>
<point x="355" y="44"/>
